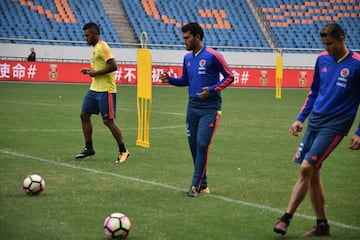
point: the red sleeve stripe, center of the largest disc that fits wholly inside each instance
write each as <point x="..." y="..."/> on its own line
<point x="230" y="77"/>
<point x="305" y="102"/>
<point x="356" y="56"/>
<point x="224" y="84"/>
<point x="221" y="60"/>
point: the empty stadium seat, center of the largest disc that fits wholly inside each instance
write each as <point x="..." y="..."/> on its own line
<point x="229" y="23"/>
<point x="52" y="20"/>
<point x="308" y="17"/>
<point x="170" y="15"/>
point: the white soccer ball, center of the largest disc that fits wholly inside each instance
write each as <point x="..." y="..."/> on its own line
<point x="33" y="184"/>
<point x="117" y="226"/>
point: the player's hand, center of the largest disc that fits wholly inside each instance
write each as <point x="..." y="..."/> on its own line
<point x="85" y="70"/>
<point x="205" y="93"/>
<point x="296" y="128"/>
<point x="355" y="142"/>
<point x="88" y="71"/>
<point x="164" y="77"/>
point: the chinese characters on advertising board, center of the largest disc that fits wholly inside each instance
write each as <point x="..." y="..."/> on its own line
<point x="126" y="74"/>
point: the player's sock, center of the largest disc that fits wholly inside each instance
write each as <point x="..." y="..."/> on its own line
<point x="122" y="148"/>
<point x="89" y="144"/>
<point x="287" y="217"/>
<point x="321" y="222"/>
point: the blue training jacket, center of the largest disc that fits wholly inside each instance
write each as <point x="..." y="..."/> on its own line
<point x="203" y="70"/>
<point x="335" y="90"/>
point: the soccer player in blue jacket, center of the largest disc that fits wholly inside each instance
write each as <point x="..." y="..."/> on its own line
<point x="331" y="108"/>
<point x="206" y="73"/>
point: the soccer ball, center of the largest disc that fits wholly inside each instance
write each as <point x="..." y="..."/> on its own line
<point x="117" y="226"/>
<point x="33" y="184"/>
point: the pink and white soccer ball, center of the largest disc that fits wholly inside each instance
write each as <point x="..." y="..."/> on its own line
<point x="33" y="184"/>
<point x="117" y="226"/>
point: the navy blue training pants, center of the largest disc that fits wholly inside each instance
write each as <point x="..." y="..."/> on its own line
<point x="201" y="125"/>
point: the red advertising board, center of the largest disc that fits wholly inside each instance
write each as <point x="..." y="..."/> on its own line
<point x="126" y="74"/>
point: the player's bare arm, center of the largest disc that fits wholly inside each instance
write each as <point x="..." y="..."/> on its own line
<point x="111" y="66"/>
<point x="296" y="128"/>
<point x="85" y="70"/>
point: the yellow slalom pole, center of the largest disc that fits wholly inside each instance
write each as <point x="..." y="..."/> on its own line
<point x="144" y="92"/>
<point x="279" y="75"/>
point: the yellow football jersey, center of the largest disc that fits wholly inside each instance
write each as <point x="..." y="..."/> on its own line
<point x="106" y="82"/>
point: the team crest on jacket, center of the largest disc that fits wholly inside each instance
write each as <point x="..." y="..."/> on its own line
<point x="344" y="72"/>
<point x="202" y="63"/>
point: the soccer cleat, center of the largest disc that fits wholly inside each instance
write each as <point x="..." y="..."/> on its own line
<point x="281" y="227"/>
<point x="318" y="231"/>
<point x="193" y="192"/>
<point x="85" y="153"/>
<point x="204" y="190"/>
<point x="122" y="157"/>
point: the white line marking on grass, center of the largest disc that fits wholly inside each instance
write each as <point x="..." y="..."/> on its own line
<point x="226" y="199"/>
<point x="169" y="113"/>
<point x="77" y="106"/>
<point x="80" y="130"/>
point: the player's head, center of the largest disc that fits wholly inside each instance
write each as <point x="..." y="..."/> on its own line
<point x="194" y="29"/>
<point x="333" y="30"/>
<point x="91" y="33"/>
<point x="333" y="37"/>
<point x="192" y="35"/>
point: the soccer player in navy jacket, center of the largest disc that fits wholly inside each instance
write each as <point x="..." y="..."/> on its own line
<point x="331" y="108"/>
<point x="206" y="73"/>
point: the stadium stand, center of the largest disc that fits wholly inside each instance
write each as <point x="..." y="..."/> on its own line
<point x="224" y="23"/>
<point x="53" y="20"/>
<point x="297" y="23"/>
<point x="227" y="23"/>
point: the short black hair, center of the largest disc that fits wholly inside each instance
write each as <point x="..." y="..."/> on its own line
<point x="194" y="29"/>
<point x="92" y="26"/>
<point x="333" y="30"/>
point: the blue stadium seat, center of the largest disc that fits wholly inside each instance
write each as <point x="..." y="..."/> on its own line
<point x="304" y="34"/>
<point x="243" y="24"/>
<point x="295" y="24"/>
<point x="24" y="22"/>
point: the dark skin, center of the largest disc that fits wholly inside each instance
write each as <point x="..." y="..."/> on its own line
<point x="192" y="43"/>
<point x="92" y="38"/>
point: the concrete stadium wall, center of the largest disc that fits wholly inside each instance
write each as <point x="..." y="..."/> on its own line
<point x="159" y="57"/>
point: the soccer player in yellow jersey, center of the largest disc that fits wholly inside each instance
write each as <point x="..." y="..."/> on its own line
<point x="101" y="97"/>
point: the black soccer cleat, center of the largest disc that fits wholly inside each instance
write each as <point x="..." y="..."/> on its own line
<point x="192" y="192"/>
<point x="85" y="153"/>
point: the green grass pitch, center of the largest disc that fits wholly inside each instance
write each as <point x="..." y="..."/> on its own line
<point x="250" y="171"/>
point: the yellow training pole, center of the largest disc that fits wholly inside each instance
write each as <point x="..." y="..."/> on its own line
<point x="144" y="92"/>
<point x="279" y="75"/>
